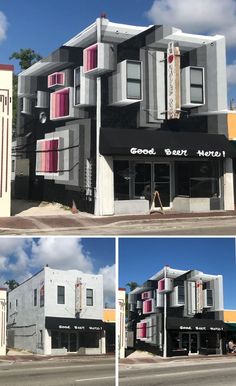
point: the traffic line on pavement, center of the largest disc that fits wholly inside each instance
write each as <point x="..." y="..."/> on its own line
<point x="175" y="374"/>
<point x="94" y="379"/>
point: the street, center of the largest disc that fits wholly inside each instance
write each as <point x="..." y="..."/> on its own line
<point x="63" y="372"/>
<point x="199" y="373"/>
<point x="217" y="224"/>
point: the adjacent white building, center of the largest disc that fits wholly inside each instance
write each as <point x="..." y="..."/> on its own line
<point x="3" y="312"/>
<point x="121" y="322"/>
<point x="6" y="73"/>
<point x="56" y="312"/>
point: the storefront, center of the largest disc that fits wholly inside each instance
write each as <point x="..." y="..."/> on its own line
<point x="83" y="336"/>
<point x="195" y="336"/>
<point x="191" y="171"/>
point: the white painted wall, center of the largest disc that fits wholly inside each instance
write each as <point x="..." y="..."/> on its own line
<point x="5" y="140"/>
<point x="121" y="323"/>
<point x="26" y="320"/>
<point x="3" y="313"/>
<point x="68" y="279"/>
<point x="228" y="185"/>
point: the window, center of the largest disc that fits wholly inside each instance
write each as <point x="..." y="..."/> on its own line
<point x="196" y="85"/>
<point x="77" y="86"/>
<point x="89" y="339"/>
<point x="133" y="80"/>
<point x="89" y="297"/>
<point x="91" y="58"/>
<point x="47" y="156"/>
<point x="60" y="294"/>
<point x="13" y="165"/>
<point x="209" y="298"/>
<point x="16" y="303"/>
<point x="181" y="297"/>
<point x="197" y="179"/>
<point x="35" y="297"/>
<point x="60" y="103"/>
<point x="56" y="79"/>
<point x="122" y="176"/>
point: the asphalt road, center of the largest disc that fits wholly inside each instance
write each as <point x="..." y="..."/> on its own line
<point x="58" y="373"/>
<point x="208" y="374"/>
<point x="60" y="225"/>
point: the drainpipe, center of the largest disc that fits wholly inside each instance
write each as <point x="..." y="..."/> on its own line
<point x="165" y="315"/>
<point x="98" y="203"/>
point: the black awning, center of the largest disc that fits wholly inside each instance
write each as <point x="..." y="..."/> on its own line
<point x="194" y="324"/>
<point x="73" y="324"/>
<point x="144" y="142"/>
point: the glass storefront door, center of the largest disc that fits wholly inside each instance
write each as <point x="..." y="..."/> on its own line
<point x="151" y="177"/>
<point x="190" y="342"/>
<point x="162" y="182"/>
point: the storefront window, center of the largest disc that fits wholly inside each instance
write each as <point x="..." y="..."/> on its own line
<point x="89" y="340"/>
<point x="55" y="339"/>
<point x="143" y="180"/>
<point x="121" y="180"/>
<point x="197" y="179"/>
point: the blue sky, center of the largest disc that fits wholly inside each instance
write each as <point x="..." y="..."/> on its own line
<point x="45" y="25"/>
<point x="20" y="258"/>
<point x="140" y="258"/>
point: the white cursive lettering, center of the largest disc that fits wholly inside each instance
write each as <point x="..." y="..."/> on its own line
<point x="135" y="150"/>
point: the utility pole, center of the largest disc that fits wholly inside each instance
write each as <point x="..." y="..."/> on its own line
<point x="165" y="316"/>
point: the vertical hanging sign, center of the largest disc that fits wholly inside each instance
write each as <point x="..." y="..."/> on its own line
<point x="199" y="296"/>
<point x="173" y="82"/>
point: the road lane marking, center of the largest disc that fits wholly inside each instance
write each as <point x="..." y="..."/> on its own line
<point x="52" y="368"/>
<point x="172" y="374"/>
<point x="94" y="379"/>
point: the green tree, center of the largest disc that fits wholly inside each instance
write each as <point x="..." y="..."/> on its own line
<point x="26" y="57"/>
<point x="12" y="284"/>
<point x="132" y="285"/>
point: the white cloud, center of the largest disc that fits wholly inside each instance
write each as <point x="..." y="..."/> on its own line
<point x="109" y="283"/>
<point x="3" y="26"/>
<point x="202" y="16"/>
<point x="231" y="73"/>
<point x="61" y="253"/>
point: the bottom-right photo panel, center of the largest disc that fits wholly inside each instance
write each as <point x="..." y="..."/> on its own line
<point x="177" y="311"/>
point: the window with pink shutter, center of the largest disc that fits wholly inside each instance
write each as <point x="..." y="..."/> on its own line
<point x="47" y="156"/>
<point x="56" y="79"/>
<point x="161" y="285"/>
<point x="148" y="306"/>
<point x="60" y="103"/>
<point x="91" y="58"/>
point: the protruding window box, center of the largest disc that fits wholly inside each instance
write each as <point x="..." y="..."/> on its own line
<point x="27" y="106"/>
<point x="192" y="87"/>
<point x="98" y="58"/>
<point x="42" y="99"/>
<point x="139" y="304"/>
<point x="57" y="79"/>
<point x="207" y="298"/>
<point x="148" y="306"/>
<point x="47" y="157"/>
<point x="61" y="104"/>
<point x="84" y="89"/>
<point x="165" y="285"/>
<point x="177" y="297"/>
<point x="146" y="295"/>
<point x="126" y="84"/>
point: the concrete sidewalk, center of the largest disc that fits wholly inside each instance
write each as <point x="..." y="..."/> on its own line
<point x="180" y="359"/>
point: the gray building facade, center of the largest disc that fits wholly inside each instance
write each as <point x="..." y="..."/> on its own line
<point x="178" y="312"/>
<point x="120" y="112"/>
<point x="56" y="311"/>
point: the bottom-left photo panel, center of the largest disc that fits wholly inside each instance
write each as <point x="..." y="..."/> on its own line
<point x="57" y="311"/>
